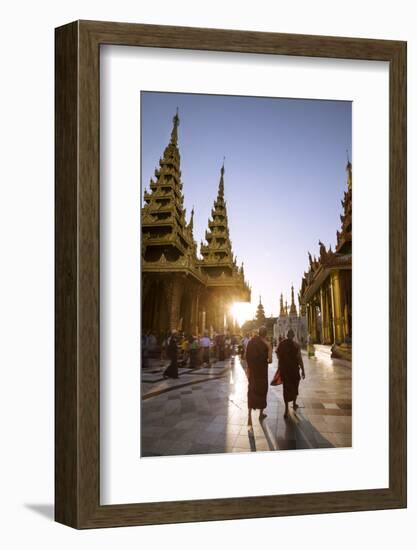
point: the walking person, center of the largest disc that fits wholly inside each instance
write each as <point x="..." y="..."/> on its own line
<point x="290" y="362"/>
<point x="258" y="355"/>
<point x="172" y="353"/>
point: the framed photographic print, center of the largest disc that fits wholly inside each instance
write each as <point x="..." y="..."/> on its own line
<point x="230" y="274"/>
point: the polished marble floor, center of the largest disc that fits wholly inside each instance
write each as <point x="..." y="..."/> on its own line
<point x="205" y="410"/>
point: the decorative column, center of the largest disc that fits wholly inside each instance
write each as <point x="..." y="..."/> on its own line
<point x="203" y="321"/>
<point x="337" y="307"/>
<point x="327" y="300"/>
<point x="324" y="327"/>
<point x="312" y="324"/>
<point x="196" y="313"/>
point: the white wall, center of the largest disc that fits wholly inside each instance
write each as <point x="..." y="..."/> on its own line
<point x="26" y="289"/>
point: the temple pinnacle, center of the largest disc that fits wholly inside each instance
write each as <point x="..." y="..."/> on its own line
<point x="174" y="133"/>
<point x="191" y="223"/>
<point x="221" y="182"/>
<point x="293" y="309"/>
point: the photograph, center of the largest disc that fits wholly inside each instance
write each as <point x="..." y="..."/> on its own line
<point x="246" y="274"/>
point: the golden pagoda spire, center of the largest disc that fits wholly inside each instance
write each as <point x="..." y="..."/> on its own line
<point x="293" y="309"/>
<point x="219" y="247"/>
<point x="281" y="306"/>
<point x="166" y="188"/>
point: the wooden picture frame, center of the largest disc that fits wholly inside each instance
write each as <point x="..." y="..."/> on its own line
<point x="77" y="360"/>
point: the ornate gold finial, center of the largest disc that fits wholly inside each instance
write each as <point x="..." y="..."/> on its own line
<point x="281" y="306"/>
<point x="221" y="182"/>
<point x="191" y="224"/>
<point x="174" y="133"/>
<point x="349" y="172"/>
<point x="293" y="309"/>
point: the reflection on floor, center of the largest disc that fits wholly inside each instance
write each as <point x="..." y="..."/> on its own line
<point x="205" y="410"/>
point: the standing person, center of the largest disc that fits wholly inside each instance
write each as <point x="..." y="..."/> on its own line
<point x="258" y="355"/>
<point x="290" y="362"/>
<point x="185" y="346"/>
<point x="172" y="353"/>
<point x="220" y="347"/>
<point x="205" y="346"/>
<point x="194" y="348"/>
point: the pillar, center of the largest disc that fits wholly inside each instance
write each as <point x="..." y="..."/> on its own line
<point x="196" y="313"/>
<point x="324" y="325"/>
<point x="337" y="307"/>
<point x="203" y="321"/>
<point x="330" y="327"/>
<point x="175" y="302"/>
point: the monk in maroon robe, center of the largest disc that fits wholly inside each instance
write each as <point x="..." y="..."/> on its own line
<point x="289" y="363"/>
<point x="258" y="355"/>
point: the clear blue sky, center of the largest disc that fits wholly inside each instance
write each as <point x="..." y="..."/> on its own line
<point x="284" y="175"/>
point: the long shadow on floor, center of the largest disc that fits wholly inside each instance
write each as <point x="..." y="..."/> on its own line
<point x="295" y="432"/>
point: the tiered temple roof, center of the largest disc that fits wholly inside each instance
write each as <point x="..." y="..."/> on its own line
<point x="167" y="239"/>
<point x="218" y="261"/>
<point x="218" y="250"/>
<point x="341" y="257"/>
<point x="283" y="310"/>
<point x="260" y="312"/>
<point x="293" y="309"/>
<point x="165" y="232"/>
<point x="344" y="237"/>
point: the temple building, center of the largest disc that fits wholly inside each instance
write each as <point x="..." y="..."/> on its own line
<point x="291" y="320"/>
<point x="326" y="289"/>
<point x="181" y="291"/>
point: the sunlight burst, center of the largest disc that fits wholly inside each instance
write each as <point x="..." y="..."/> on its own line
<point x="241" y="311"/>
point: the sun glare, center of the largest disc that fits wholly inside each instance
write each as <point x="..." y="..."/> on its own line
<point x="241" y="311"/>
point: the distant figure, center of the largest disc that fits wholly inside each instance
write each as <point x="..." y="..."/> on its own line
<point x="205" y="346"/>
<point x="220" y="346"/>
<point x="228" y="346"/>
<point x="194" y="347"/>
<point x="172" y="353"/>
<point x="258" y="355"/>
<point x="185" y="346"/>
<point x="290" y="362"/>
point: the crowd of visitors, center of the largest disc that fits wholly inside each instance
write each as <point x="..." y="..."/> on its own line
<point x="184" y="350"/>
<point x="254" y="348"/>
